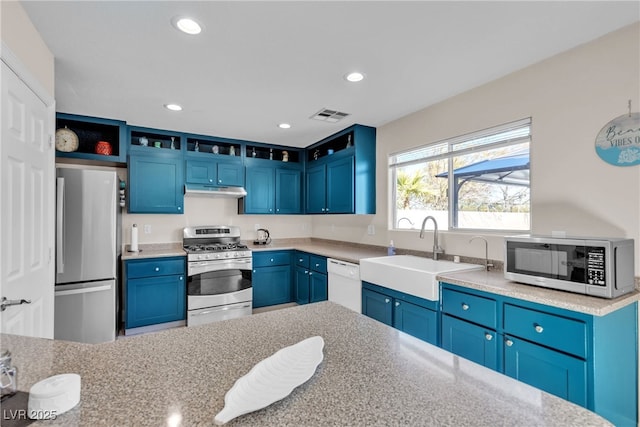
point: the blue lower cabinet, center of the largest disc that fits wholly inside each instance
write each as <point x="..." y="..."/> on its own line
<point x="318" y="290"/>
<point x="377" y="306"/>
<point x="271" y="285"/>
<point x="301" y="280"/>
<point x="589" y="360"/>
<point x="415" y="316"/>
<point x="470" y="341"/>
<point x="549" y="370"/>
<point x="155" y="291"/>
<point x="310" y="278"/>
<point x="271" y="279"/>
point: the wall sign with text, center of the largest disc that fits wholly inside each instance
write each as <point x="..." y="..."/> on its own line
<point x="618" y="142"/>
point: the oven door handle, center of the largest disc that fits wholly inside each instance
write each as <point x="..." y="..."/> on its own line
<point x="199" y="267"/>
<point x="202" y="313"/>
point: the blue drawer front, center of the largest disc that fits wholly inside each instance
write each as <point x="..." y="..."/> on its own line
<point x="558" y="332"/>
<point x="155" y="267"/>
<point x="470" y="307"/>
<point x="302" y="259"/>
<point x="318" y="263"/>
<point x="269" y="258"/>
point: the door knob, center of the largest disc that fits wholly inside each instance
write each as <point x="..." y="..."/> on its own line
<point x="7" y="302"/>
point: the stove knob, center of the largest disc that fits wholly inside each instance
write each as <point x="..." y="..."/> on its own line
<point x="218" y="256"/>
<point x="227" y="254"/>
<point x="199" y="256"/>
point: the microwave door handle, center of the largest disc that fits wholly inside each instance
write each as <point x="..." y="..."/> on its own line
<point x="60" y="225"/>
<point x="614" y="273"/>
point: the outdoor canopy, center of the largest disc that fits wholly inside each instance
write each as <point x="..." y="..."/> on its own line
<point x="511" y="170"/>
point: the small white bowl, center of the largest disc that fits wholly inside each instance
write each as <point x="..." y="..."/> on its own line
<point x="53" y="396"/>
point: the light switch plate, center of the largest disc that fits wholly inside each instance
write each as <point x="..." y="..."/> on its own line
<point x="147" y="229"/>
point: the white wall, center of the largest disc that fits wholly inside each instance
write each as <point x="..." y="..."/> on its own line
<point x="19" y="35"/>
<point x="209" y="211"/>
<point x="570" y="97"/>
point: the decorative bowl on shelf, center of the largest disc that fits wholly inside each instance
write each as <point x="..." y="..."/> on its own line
<point x="104" y="148"/>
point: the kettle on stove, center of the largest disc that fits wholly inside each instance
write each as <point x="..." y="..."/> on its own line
<point x="263" y="237"/>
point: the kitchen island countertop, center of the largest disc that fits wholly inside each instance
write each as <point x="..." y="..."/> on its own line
<point x="371" y="375"/>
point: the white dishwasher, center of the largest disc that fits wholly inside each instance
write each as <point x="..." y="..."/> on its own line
<point x="345" y="287"/>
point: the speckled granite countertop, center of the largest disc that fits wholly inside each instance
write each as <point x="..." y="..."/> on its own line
<point x="495" y="282"/>
<point x="154" y="250"/>
<point x="351" y="252"/>
<point x="371" y="375"/>
<point x="345" y="251"/>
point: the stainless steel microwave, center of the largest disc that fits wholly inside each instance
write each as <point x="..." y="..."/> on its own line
<point x="601" y="267"/>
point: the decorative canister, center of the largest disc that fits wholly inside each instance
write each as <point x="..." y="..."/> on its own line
<point x="104" y="148"/>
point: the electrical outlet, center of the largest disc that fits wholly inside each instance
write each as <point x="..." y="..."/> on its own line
<point x="371" y="230"/>
<point x="256" y="227"/>
<point x="147" y="229"/>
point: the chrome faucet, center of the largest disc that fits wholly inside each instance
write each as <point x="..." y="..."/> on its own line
<point x="487" y="264"/>
<point x="436" y="248"/>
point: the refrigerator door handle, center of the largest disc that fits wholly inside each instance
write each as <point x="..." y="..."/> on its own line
<point x="82" y="290"/>
<point x="59" y="226"/>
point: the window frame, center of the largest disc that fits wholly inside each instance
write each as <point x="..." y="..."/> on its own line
<point x="394" y="164"/>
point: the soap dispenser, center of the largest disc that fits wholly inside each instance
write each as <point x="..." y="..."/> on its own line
<point x="391" y="250"/>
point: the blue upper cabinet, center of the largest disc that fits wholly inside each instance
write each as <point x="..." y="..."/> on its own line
<point x="273" y="178"/>
<point x="101" y="140"/>
<point x="260" y="190"/>
<point x="156" y="171"/>
<point x="340" y="176"/>
<point x="214" y="162"/>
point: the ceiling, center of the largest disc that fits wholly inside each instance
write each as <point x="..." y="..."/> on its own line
<point x="258" y="64"/>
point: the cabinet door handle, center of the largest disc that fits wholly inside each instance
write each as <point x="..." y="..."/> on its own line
<point x="322" y="209"/>
<point x="299" y="259"/>
<point x="387" y="300"/>
<point x="397" y="303"/>
<point x="538" y="328"/>
<point x="181" y="278"/>
<point x="220" y="181"/>
<point x="271" y="259"/>
<point x="157" y="268"/>
<point x="317" y="265"/>
<point x="488" y="336"/>
<point x="306" y="272"/>
<point x="211" y="180"/>
<point x="465" y="307"/>
<point x="310" y="273"/>
<point x="509" y="343"/>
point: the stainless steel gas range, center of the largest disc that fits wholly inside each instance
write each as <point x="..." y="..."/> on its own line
<point x="219" y="274"/>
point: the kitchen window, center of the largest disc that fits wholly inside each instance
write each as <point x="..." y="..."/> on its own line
<point x="478" y="181"/>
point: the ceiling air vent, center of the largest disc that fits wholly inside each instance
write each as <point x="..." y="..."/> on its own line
<point x="330" y="116"/>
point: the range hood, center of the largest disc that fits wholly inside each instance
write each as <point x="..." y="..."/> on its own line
<point x="210" y="191"/>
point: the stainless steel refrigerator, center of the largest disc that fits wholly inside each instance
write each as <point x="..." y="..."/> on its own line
<point x="87" y="252"/>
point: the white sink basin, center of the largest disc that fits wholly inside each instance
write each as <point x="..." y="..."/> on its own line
<point x="409" y="274"/>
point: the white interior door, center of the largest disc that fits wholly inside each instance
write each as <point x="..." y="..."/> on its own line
<point x="27" y="215"/>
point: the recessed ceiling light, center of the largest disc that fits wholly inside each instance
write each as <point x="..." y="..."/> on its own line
<point x="284" y="125"/>
<point x="173" y="107"/>
<point x="187" y="25"/>
<point x="354" y="77"/>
